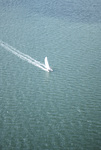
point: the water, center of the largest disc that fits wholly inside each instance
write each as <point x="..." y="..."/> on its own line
<point x="59" y="110"/>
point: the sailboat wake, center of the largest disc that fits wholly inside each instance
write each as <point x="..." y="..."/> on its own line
<point x="27" y="58"/>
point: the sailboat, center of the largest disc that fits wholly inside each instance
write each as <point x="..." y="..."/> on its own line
<point x="47" y="65"/>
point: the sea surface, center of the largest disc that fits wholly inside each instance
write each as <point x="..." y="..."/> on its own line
<point x="59" y="110"/>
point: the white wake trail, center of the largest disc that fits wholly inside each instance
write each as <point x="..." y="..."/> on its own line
<point x="22" y="55"/>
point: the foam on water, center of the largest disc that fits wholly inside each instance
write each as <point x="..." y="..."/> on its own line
<point x="22" y="55"/>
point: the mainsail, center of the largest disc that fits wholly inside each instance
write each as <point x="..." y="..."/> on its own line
<point x="46" y="63"/>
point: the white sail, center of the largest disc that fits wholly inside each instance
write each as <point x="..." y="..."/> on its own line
<point x="46" y="63"/>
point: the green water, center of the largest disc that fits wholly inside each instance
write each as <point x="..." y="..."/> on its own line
<point x="59" y="110"/>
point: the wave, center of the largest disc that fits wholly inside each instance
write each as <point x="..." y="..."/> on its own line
<point x="22" y="55"/>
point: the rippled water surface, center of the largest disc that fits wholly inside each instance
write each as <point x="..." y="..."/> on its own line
<point x="59" y="110"/>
